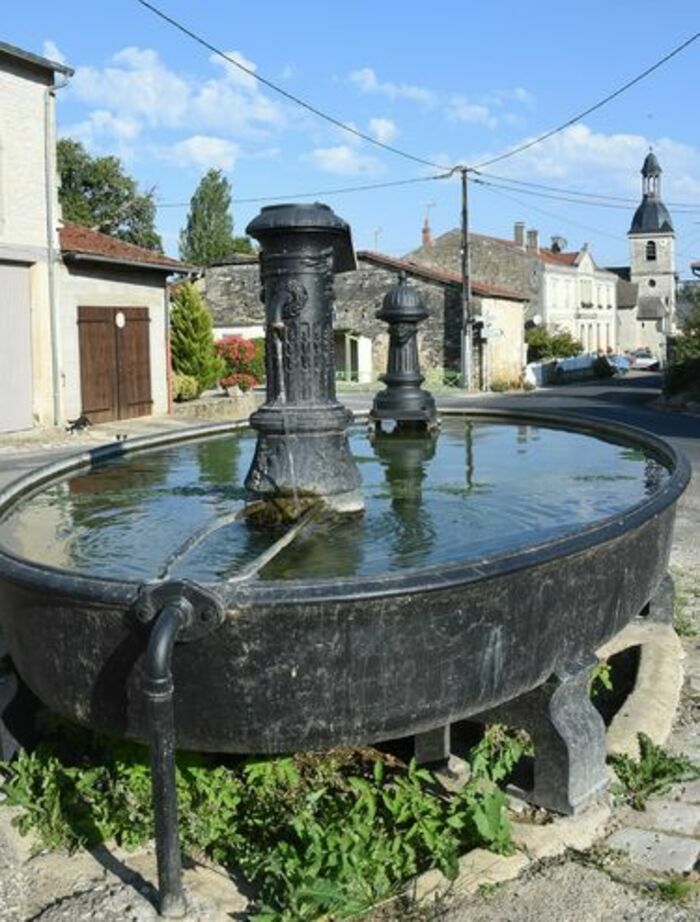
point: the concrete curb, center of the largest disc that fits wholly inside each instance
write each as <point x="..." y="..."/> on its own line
<point x="652" y="705"/>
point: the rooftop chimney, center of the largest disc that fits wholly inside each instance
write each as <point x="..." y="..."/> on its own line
<point x="533" y="240"/>
<point x="519" y="234"/>
<point x="426" y="235"/>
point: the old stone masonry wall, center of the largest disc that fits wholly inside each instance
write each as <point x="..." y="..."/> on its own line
<point x="232" y="294"/>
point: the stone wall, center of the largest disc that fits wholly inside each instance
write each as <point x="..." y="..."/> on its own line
<point x="232" y="294"/>
<point x="494" y="261"/>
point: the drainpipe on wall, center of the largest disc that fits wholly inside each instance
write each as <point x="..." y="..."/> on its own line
<point x="50" y="189"/>
<point x="168" y="353"/>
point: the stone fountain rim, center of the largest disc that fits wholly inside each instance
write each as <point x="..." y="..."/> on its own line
<point x="111" y="592"/>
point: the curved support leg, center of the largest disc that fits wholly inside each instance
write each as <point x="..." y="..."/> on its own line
<point x="569" y="738"/>
<point x="660" y="606"/>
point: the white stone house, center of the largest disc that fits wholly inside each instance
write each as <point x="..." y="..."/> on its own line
<point x="78" y="310"/>
<point x="578" y="297"/>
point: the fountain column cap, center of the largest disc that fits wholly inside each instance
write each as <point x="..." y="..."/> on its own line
<point x="314" y="218"/>
<point x="402" y="304"/>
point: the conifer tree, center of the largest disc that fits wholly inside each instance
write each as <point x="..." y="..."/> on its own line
<point x="192" y="338"/>
<point x="208" y="237"/>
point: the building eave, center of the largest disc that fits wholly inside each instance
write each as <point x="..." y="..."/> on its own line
<point x="76" y="257"/>
<point x="28" y="57"/>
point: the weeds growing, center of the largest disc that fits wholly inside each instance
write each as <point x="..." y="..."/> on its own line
<point x="312" y="834"/>
<point x="653" y="773"/>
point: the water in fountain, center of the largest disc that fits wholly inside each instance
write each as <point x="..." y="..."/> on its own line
<point x="481" y="489"/>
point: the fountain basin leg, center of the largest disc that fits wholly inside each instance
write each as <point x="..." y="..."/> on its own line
<point x="569" y="737"/>
<point x="660" y="607"/>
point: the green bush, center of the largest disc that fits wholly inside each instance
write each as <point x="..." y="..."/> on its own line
<point x="257" y="365"/>
<point x="541" y="344"/>
<point x="185" y="387"/>
<point x="683" y="377"/>
<point x="192" y="338"/>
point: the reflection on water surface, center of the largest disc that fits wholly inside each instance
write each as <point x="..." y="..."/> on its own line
<point x="478" y="489"/>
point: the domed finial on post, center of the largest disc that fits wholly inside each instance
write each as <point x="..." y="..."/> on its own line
<point x="403" y="400"/>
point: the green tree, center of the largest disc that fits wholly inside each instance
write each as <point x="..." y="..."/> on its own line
<point x="96" y="192"/>
<point x="207" y="237"/>
<point x="192" y="338"/>
<point x="541" y="344"/>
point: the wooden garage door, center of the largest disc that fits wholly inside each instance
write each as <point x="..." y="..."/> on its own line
<point x="15" y="348"/>
<point x="115" y="368"/>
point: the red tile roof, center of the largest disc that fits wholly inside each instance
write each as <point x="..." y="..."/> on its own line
<point x="77" y="240"/>
<point x="484" y="289"/>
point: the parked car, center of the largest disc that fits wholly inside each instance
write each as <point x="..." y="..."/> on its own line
<point x="644" y="360"/>
<point x="620" y="363"/>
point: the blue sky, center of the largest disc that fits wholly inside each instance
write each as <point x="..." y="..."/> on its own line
<point x="457" y="82"/>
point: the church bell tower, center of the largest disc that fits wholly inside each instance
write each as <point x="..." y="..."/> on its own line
<point x="653" y="261"/>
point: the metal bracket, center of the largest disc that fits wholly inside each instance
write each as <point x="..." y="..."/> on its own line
<point x="208" y="609"/>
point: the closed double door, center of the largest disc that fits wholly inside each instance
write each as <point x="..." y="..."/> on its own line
<point x="115" y="366"/>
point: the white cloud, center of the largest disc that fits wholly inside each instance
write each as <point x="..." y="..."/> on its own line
<point x="462" y="110"/>
<point x="383" y="129"/>
<point x="234" y="74"/>
<point x="595" y="161"/>
<point x="51" y="51"/>
<point x="136" y="84"/>
<point x="203" y="152"/>
<point x="344" y="160"/>
<point x="366" y="79"/>
<point x="103" y="127"/>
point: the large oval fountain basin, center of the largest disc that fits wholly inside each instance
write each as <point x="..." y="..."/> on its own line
<point x="483" y="562"/>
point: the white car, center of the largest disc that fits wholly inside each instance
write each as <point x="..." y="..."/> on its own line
<point x="644" y="360"/>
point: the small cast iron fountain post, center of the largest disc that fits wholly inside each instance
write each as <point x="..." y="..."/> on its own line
<point x="404" y="400"/>
<point x="302" y="452"/>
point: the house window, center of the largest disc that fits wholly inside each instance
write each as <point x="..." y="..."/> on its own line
<point x="651" y="251"/>
<point x="652" y="283"/>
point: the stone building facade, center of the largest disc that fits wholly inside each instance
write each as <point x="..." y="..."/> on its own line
<point x="232" y="294"/>
<point x="565" y="290"/>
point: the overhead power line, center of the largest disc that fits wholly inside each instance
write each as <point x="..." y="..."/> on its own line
<point x="282" y="92"/>
<point x="690" y="206"/>
<point x="320" y="192"/>
<point x="550" y="214"/>
<point x="598" y="105"/>
<point x="582" y="199"/>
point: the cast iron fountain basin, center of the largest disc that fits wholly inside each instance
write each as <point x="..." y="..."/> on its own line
<point x="317" y="663"/>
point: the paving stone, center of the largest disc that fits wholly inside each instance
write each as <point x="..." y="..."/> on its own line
<point x="657" y="851"/>
<point x="672" y="816"/>
<point x="686" y="741"/>
<point x="688" y="792"/>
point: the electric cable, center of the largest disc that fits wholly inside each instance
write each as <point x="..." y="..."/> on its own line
<point x="319" y="192"/>
<point x="689" y="206"/>
<point x="290" y="96"/>
<point x="581" y="115"/>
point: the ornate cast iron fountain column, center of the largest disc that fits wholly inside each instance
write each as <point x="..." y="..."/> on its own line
<point x="302" y="451"/>
<point x="403" y="400"/>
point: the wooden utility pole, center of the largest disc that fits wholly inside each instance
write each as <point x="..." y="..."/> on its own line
<point x="466" y="325"/>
